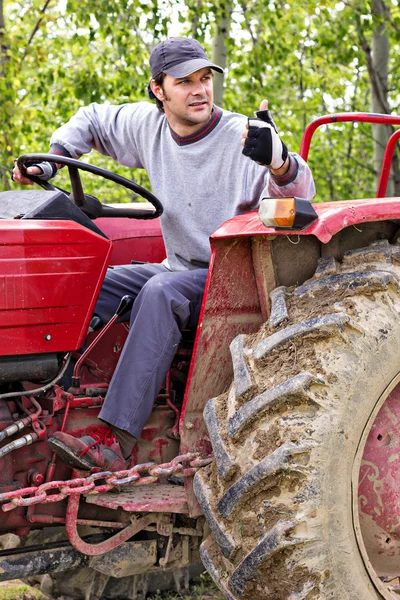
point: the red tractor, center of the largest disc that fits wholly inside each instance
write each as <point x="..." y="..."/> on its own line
<point x="301" y="499"/>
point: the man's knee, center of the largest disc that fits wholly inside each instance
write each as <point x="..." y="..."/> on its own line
<point x="158" y="286"/>
<point x="163" y="297"/>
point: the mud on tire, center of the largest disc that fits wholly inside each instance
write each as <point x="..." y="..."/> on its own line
<point x="278" y="498"/>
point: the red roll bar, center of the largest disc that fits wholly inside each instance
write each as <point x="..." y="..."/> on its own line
<point x="358" y="118"/>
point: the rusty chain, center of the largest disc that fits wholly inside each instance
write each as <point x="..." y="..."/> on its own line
<point x="89" y="485"/>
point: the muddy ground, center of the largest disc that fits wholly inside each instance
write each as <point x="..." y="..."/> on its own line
<point x="202" y="589"/>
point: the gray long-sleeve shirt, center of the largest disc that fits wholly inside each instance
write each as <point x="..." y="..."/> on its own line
<point x="202" y="180"/>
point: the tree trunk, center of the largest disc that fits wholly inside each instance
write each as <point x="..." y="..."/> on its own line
<point x="219" y="51"/>
<point x="379" y="94"/>
<point x="2" y="39"/>
<point x="196" y="18"/>
<point x="4" y="153"/>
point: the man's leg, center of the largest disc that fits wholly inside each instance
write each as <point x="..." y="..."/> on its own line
<point x="168" y="302"/>
<point x="84" y="453"/>
<point x="126" y="280"/>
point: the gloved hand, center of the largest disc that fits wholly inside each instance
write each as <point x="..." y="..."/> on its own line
<point x="48" y="170"/>
<point x="43" y="170"/>
<point x="262" y="142"/>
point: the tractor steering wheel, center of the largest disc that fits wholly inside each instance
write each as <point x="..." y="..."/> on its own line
<point x="90" y="205"/>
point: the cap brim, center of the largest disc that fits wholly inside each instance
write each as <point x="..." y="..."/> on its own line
<point x="190" y="66"/>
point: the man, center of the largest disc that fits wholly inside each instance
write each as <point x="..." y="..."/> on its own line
<point x="191" y="151"/>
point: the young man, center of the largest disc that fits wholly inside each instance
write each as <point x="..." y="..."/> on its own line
<point x="191" y="150"/>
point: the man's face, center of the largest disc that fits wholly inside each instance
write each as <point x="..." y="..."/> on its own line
<point x="187" y="101"/>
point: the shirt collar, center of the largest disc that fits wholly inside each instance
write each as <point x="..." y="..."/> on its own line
<point x="215" y="118"/>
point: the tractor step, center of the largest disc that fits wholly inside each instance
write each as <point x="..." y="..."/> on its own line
<point x="144" y="498"/>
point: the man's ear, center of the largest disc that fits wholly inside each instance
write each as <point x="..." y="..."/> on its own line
<point x="157" y="90"/>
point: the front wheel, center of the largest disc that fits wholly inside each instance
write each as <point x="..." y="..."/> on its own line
<point x="302" y="500"/>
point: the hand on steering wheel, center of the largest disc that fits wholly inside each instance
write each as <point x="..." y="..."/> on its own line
<point x="89" y="204"/>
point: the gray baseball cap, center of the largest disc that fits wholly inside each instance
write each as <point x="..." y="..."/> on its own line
<point x="179" y="57"/>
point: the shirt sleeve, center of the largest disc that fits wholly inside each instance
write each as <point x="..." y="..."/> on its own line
<point x="298" y="181"/>
<point x="106" y="128"/>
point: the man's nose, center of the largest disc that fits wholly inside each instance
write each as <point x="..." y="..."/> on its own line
<point x="199" y="88"/>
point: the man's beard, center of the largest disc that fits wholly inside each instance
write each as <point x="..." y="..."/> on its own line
<point x="193" y="121"/>
<point x="186" y="119"/>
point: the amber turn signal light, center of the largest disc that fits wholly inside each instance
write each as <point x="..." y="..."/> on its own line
<point x="286" y="213"/>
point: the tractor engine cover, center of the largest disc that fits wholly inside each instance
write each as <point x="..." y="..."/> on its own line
<point x="50" y="274"/>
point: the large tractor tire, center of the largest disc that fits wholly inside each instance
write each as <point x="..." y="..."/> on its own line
<point x="282" y="499"/>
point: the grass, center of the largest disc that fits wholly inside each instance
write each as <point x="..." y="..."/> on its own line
<point x="16" y="590"/>
<point x="202" y="588"/>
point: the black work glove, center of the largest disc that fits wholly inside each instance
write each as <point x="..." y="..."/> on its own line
<point x="263" y="143"/>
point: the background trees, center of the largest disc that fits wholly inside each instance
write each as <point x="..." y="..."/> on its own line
<point x="307" y="58"/>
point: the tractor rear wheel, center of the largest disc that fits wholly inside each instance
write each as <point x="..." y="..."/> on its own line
<point x="302" y="497"/>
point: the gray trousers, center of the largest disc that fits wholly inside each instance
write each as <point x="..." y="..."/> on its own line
<point x="165" y="302"/>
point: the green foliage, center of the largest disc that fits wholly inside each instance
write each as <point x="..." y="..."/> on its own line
<point x="56" y="61"/>
<point x="202" y="588"/>
<point x="16" y="590"/>
<point x="304" y="57"/>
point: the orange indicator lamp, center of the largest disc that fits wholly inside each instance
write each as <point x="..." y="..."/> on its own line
<point x="286" y="213"/>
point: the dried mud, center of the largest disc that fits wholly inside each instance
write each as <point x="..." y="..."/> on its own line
<point x="286" y="362"/>
<point x="277" y="579"/>
<point x="267" y="441"/>
<point x="296" y="357"/>
<point x="267" y="502"/>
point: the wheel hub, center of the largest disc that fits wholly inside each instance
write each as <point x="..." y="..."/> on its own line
<point x="377" y="520"/>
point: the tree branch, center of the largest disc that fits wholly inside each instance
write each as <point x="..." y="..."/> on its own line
<point x="301" y="77"/>
<point x="385" y="12"/>
<point x="3" y="44"/>
<point x="353" y="108"/>
<point x="196" y="18"/>
<point x="373" y="75"/>
<point x="254" y="40"/>
<point x="36" y="28"/>
<point x="248" y="26"/>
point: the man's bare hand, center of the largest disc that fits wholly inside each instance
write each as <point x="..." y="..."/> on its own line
<point x="43" y="170"/>
<point x="18" y="177"/>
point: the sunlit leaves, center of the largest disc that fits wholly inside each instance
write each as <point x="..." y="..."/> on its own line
<point x="303" y="56"/>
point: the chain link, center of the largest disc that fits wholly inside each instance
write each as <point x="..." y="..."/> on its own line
<point x="185" y="465"/>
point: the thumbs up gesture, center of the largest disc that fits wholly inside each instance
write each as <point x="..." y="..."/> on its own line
<point x="262" y="143"/>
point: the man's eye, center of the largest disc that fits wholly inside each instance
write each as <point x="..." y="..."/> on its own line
<point x="184" y="81"/>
